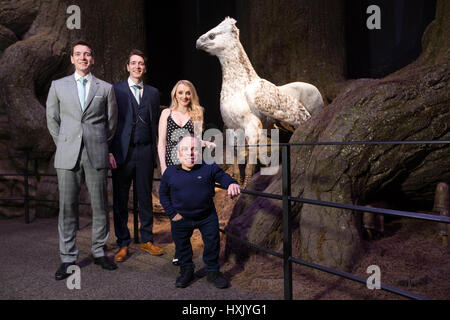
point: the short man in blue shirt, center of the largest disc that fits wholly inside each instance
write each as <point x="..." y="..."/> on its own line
<point x="186" y="193"/>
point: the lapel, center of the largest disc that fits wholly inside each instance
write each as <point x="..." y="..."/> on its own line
<point x="132" y="103"/>
<point x="92" y="91"/>
<point x="73" y="89"/>
<point x="146" y="100"/>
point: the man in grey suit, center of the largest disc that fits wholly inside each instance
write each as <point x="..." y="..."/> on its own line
<point x="82" y="119"/>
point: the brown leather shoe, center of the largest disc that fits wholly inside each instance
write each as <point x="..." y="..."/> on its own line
<point x="152" y="249"/>
<point x="121" y="255"/>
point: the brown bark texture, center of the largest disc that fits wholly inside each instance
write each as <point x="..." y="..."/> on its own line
<point x="410" y="104"/>
<point x="35" y="47"/>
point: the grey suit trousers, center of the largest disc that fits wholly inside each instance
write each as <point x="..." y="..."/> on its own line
<point x="69" y="183"/>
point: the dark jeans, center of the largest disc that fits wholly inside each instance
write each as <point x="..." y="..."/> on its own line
<point x="138" y="166"/>
<point x="209" y="228"/>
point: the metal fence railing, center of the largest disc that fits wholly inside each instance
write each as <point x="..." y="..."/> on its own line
<point x="27" y="199"/>
<point x="286" y="199"/>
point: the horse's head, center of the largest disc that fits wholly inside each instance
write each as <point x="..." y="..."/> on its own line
<point x="220" y="38"/>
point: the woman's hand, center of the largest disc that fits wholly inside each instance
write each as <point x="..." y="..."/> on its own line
<point x="209" y="144"/>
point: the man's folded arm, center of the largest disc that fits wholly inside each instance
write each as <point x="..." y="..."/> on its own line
<point x="224" y="179"/>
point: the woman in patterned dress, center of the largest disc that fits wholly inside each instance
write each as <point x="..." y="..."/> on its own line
<point x="183" y="117"/>
<point x="177" y="120"/>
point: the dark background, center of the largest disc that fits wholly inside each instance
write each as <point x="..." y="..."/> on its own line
<point x="379" y="52"/>
<point x="173" y="28"/>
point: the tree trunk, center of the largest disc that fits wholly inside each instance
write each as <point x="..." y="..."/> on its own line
<point x="35" y="48"/>
<point x="410" y="104"/>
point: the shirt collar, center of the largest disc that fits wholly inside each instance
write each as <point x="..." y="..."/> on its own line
<point x="195" y="167"/>
<point x="87" y="77"/>
<point x="131" y="83"/>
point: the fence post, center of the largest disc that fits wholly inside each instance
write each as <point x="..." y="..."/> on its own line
<point x="25" y="181"/>
<point x="287" y="236"/>
<point x="135" y="213"/>
<point x="36" y="170"/>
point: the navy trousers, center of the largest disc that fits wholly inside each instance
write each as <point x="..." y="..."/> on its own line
<point x="138" y="166"/>
<point x="209" y="228"/>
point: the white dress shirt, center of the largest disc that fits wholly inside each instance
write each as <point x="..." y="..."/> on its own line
<point x="131" y="84"/>
<point x="87" y="85"/>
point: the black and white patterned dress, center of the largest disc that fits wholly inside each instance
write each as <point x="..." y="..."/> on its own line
<point x="173" y="135"/>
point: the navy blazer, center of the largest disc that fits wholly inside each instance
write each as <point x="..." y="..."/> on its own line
<point x="125" y="99"/>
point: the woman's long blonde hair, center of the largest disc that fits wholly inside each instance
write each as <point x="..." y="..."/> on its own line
<point x="195" y="109"/>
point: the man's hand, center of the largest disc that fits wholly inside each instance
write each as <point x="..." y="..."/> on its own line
<point x="112" y="161"/>
<point x="177" y="217"/>
<point x="234" y="190"/>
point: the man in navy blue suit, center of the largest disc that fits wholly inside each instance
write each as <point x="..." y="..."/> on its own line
<point x="133" y="154"/>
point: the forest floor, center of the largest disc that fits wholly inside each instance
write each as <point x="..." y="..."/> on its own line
<point x="409" y="253"/>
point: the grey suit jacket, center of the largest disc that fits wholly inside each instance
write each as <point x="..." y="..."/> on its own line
<point x="69" y="125"/>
